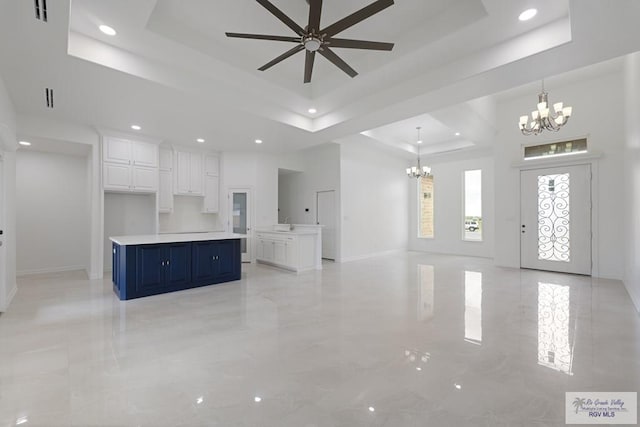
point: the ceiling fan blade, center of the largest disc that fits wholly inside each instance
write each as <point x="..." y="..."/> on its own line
<point x="308" y="66"/>
<point x="282" y="57"/>
<point x="358" y="44"/>
<point x="337" y="61"/>
<point x="264" y="37"/>
<point x="356" y="17"/>
<point x="281" y="16"/>
<point x="315" y="9"/>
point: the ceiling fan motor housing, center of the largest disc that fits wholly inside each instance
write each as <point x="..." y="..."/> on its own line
<point x="311" y="43"/>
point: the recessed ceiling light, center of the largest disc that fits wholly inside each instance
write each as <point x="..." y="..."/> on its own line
<point x="25" y="143"/>
<point x="135" y="127"/>
<point x="257" y="399"/>
<point x="528" y="14"/>
<point x="312" y="110"/>
<point x="419" y="141"/>
<point x="457" y="133"/>
<point x="258" y="141"/>
<point x="107" y="30"/>
<point x="200" y="140"/>
<point x="372" y="409"/>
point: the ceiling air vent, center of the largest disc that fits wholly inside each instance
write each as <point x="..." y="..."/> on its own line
<point x="41" y="10"/>
<point x="48" y="95"/>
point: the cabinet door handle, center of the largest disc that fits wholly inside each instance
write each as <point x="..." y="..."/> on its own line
<point x="162" y="263"/>
<point x="167" y="262"/>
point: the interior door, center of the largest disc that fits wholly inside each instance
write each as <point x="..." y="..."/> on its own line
<point x="240" y="215"/>
<point x="555" y="233"/>
<point x="326" y="216"/>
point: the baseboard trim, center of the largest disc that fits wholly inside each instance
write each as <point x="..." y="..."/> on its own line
<point x="10" y="297"/>
<point x="50" y="270"/>
<point x="635" y="299"/>
<point x="372" y="255"/>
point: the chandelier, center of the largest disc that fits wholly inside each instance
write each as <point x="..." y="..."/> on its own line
<point x="418" y="171"/>
<point x="543" y="118"/>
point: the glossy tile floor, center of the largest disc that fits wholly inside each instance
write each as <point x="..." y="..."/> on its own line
<point x="410" y="339"/>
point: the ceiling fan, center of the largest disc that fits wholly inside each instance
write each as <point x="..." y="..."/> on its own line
<point x="313" y="39"/>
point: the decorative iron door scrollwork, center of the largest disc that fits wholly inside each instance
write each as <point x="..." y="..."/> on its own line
<point x="553" y="218"/>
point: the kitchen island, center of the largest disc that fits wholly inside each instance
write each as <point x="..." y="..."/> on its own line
<point x="159" y="263"/>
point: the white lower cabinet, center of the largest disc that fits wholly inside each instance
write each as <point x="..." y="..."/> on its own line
<point x="295" y="252"/>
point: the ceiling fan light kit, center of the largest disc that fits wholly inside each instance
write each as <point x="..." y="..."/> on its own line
<point x="312" y="39"/>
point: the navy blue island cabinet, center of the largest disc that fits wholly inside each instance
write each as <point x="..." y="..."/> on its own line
<point x="140" y="270"/>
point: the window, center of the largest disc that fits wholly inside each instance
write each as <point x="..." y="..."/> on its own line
<point x="472" y="227"/>
<point x="425" y="204"/>
<point x="564" y="148"/>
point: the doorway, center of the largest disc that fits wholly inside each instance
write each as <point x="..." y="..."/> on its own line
<point x="555" y="211"/>
<point x="240" y="215"/>
<point x="326" y="216"/>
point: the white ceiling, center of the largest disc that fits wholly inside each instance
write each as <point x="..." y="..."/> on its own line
<point x="172" y="70"/>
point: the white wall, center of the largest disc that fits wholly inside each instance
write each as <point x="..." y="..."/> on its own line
<point x="632" y="179"/>
<point x="127" y="214"/>
<point x="187" y="216"/>
<point x="51" y="205"/>
<point x="319" y="171"/>
<point x="597" y="114"/>
<point x="8" y="146"/>
<point x="448" y="174"/>
<point x="51" y="130"/>
<point x="374" y="199"/>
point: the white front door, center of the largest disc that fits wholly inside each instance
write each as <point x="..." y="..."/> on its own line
<point x="555" y="210"/>
<point x="240" y="215"/>
<point x="326" y="216"/>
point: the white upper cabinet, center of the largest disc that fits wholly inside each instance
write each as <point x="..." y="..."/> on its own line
<point x="166" y="159"/>
<point x="196" y="173"/>
<point x="165" y="192"/>
<point x="188" y="173"/>
<point x="116" y="176"/>
<point x="144" y="154"/>
<point x="130" y="166"/>
<point x="211" y="194"/>
<point x="117" y="150"/>
<point x="211" y="165"/>
<point x="145" y="180"/>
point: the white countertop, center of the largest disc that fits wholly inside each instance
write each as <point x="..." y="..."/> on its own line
<point x="150" y="239"/>
<point x="289" y="233"/>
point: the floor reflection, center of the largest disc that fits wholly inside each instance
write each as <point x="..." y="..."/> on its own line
<point x="473" y="307"/>
<point x="425" y="302"/>
<point x="554" y="348"/>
